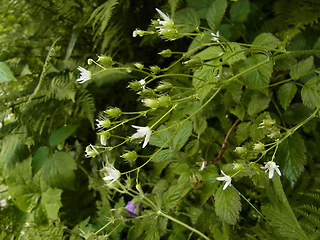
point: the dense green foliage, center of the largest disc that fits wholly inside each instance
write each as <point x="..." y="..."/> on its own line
<point x="228" y="90"/>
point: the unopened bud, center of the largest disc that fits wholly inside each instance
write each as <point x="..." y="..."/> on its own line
<point x="155" y="69"/>
<point x="241" y="150"/>
<point x="104" y="136"/>
<point x="105" y="60"/>
<point x="135" y="86"/>
<point x="147" y="93"/>
<point x="259" y="146"/>
<point x="151" y="103"/>
<point x="139" y="188"/>
<point x="114" y="112"/>
<point x="194" y="62"/>
<point x="130" y="156"/>
<point x="165" y="53"/>
<point x="138" y="32"/>
<point x="164" y="101"/>
<point x="104" y="123"/>
<point x="164" y="86"/>
<point x="139" y="66"/>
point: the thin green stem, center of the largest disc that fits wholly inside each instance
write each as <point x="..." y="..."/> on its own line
<point x="159" y="120"/>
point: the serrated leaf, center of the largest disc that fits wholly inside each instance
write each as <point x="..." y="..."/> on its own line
<point x="301" y="68"/>
<point x="199" y="124"/>
<point x="266" y="40"/>
<point x="39" y="158"/>
<point x="258" y="103"/>
<point x="258" y="77"/>
<point x="210" y="183"/>
<point x="5" y="73"/>
<point x="230" y="57"/>
<point x="192" y="147"/>
<point x="210" y="53"/>
<point x="152" y="234"/>
<point x="58" y="170"/>
<point x="182" y="135"/>
<point x="285" y="94"/>
<point x="61" y="134"/>
<point x="215" y="13"/>
<point x="239" y="11"/>
<point x="243" y="131"/>
<point x="291" y="156"/>
<point x="187" y="16"/>
<point x="173" y="5"/>
<point x="160" y="139"/>
<point x="172" y="196"/>
<point x="227" y="205"/>
<point x="310" y="93"/>
<point x="163" y="155"/>
<point x="51" y="200"/>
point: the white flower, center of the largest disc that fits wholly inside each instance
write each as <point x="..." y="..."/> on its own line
<point x="112" y="174"/>
<point x="167" y="28"/>
<point x="215" y="36"/>
<point x="226" y="178"/>
<point x="203" y="165"/>
<point x="85" y="75"/>
<point x="168" y="22"/>
<point x="91" y="151"/>
<point x="271" y="166"/>
<point x="3" y="203"/>
<point x="142" y="82"/>
<point x="141" y="132"/>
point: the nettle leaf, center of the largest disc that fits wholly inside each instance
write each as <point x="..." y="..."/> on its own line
<point x="199" y="124"/>
<point x="5" y="73"/>
<point x="210" y="183"/>
<point x="291" y="156"/>
<point x="51" y="200"/>
<point x="163" y="155"/>
<point x="187" y="16"/>
<point x="258" y="77"/>
<point x="182" y="135"/>
<point x="152" y="234"/>
<point x="301" y="68"/>
<point x="243" y="131"/>
<point x="258" y="103"/>
<point x="227" y="205"/>
<point x="310" y="93"/>
<point x="23" y="188"/>
<point x="172" y="196"/>
<point x="240" y="10"/>
<point x="215" y="13"/>
<point x="266" y="40"/>
<point x="160" y="139"/>
<point x="61" y="134"/>
<point x="39" y="158"/>
<point x="192" y="147"/>
<point x="286" y="93"/>
<point x="58" y="170"/>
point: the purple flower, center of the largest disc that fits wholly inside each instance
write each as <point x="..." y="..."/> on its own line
<point x="131" y="207"/>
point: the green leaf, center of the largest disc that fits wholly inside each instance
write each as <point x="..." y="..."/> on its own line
<point x="23" y="188"/>
<point x="227" y="205"/>
<point x="235" y="55"/>
<point x="285" y="94"/>
<point x="266" y="40"/>
<point x="240" y="10"/>
<point x="61" y="134"/>
<point x="163" y="155"/>
<point x="187" y="16"/>
<point x="210" y="53"/>
<point x="152" y="234"/>
<point x="199" y="124"/>
<point x="291" y="156"/>
<point x="182" y="135"/>
<point x="173" y="5"/>
<point x="192" y="147"/>
<point x="215" y="13"/>
<point x="172" y="196"/>
<point x="57" y="170"/>
<point x="210" y="183"/>
<point x="39" y="158"/>
<point x="160" y="139"/>
<point x="257" y="77"/>
<point x="5" y="73"/>
<point x="243" y="131"/>
<point x="301" y="68"/>
<point x="310" y="93"/>
<point x="51" y="200"/>
<point x="258" y="103"/>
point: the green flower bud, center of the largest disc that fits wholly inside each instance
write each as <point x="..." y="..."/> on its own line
<point x="151" y="103"/>
<point x="104" y="136"/>
<point x="241" y="150"/>
<point x="103" y="123"/>
<point x="130" y="156"/>
<point x="105" y="60"/>
<point x="275" y="133"/>
<point x="267" y="123"/>
<point x="155" y="69"/>
<point x="194" y="62"/>
<point x="164" y="86"/>
<point x="165" y="53"/>
<point x="114" y="112"/>
<point x="259" y="146"/>
<point x="139" y="188"/>
<point x="164" y="101"/>
<point x="90" y="61"/>
<point x="139" y="66"/>
<point x="135" y="86"/>
<point x="138" y="32"/>
<point x="147" y="93"/>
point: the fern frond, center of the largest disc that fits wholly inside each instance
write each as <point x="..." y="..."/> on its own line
<point x="101" y="16"/>
<point x="61" y="89"/>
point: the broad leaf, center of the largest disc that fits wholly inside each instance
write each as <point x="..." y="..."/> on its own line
<point x="266" y="40"/>
<point x="39" y="158"/>
<point x="301" y="68"/>
<point x="5" y="73"/>
<point x="310" y="93"/>
<point x="239" y="10"/>
<point x="291" y="156"/>
<point x="286" y="93"/>
<point x="192" y="147"/>
<point x="160" y="139"/>
<point x="243" y="131"/>
<point x="210" y="53"/>
<point x="210" y="184"/>
<point x="258" y="103"/>
<point x="215" y="13"/>
<point x="227" y="205"/>
<point x="172" y="196"/>
<point x="51" y="200"/>
<point x="182" y="135"/>
<point x="163" y="155"/>
<point x="187" y="16"/>
<point x="61" y="134"/>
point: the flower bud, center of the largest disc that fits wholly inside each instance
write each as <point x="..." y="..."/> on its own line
<point x="139" y="66"/>
<point x="164" y="101"/>
<point x="105" y="60"/>
<point x="165" y="53"/>
<point x="135" y="86"/>
<point x="104" y="136"/>
<point x="103" y="123"/>
<point x="259" y="146"/>
<point x="164" y="86"/>
<point x="114" y="112"/>
<point x="155" y="69"/>
<point x="130" y="156"/>
<point x="147" y="93"/>
<point x="274" y="134"/>
<point x="151" y="103"/>
<point x="241" y="150"/>
<point x="139" y="188"/>
<point x="138" y="32"/>
<point x="194" y="62"/>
